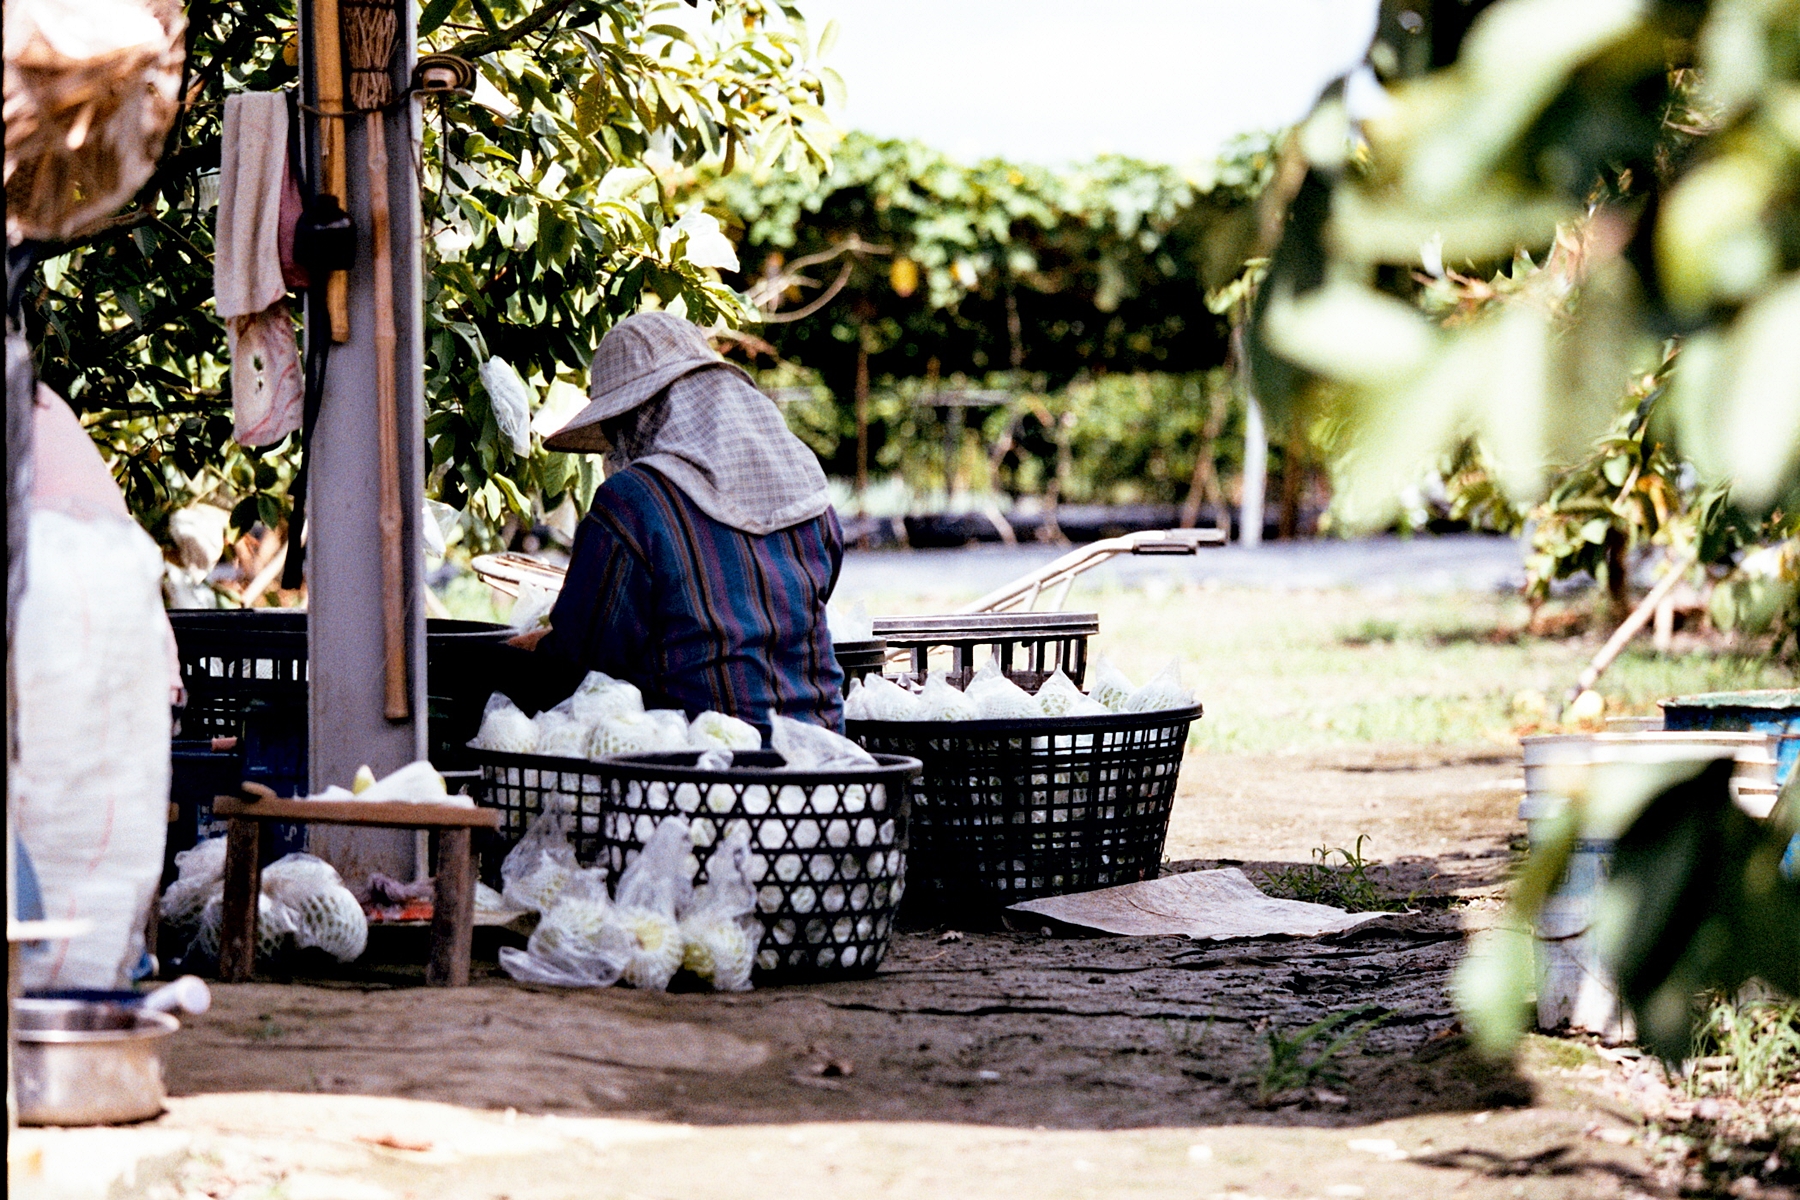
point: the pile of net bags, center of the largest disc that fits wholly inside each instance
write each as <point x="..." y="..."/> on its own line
<point x="303" y="903"/>
<point x="991" y="696"/>
<point x="656" y="924"/>
<point x="606" y="716"/>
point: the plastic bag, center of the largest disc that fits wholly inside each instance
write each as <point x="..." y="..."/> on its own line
<point x="669" y="728"/>
<point x="200" y="875"/>
<point x="625" y="733"/>
<point x="716" y="731"/>
<point x="851" y="626"/>
<point x="997" y="698"/>
<point x="575" y="944"/>
<point x="941" y="702"/>
<point x="856" y="702"/>
<point x="653" y="889"/>
<point x="510" y="400"/>
<point x="1110" y="686"/>
<point x="1059" y="697"/>
<point x="1163" y="692"/>
<point x="560" y="735"/>
<point x="415" y="783"/>
<point x="813" y="748"/>
<point x="885" y="700"/>
<point x="541" y="865"/>
<point x="720" y="932"/>
<point x="532" y="609"/>
<point x="601" y="696"/>
<point x="323" y="912"/>
<point x="506" y="729"/>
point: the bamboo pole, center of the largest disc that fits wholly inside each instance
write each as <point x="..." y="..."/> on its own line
<point x="328" y="87"/>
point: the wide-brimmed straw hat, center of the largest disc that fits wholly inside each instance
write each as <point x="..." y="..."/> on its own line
<point x="639" y="357"/>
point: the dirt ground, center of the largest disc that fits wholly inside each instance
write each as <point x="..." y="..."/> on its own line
<point x="973" y="1064"/>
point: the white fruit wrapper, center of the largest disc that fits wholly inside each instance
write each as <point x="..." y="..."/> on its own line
<point x="510" y="399"/>
<point x="885" y="700"/>
<point x="1163" y="692"/>
<point x="998" y="698"/>
<point x="941" y="702"/>
<point x="1110" y="687"/>
<point x="717" y="731"/>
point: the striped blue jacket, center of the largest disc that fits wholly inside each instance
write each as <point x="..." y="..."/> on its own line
<point x="697" y="614"/>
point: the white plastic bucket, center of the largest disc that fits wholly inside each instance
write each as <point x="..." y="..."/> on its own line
<point x="1573" y="987"/>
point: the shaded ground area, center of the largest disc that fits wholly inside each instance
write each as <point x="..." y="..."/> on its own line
<point x="995" y="1029"/>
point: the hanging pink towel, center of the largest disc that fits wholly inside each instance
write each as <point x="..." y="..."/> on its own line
<point x="267" y="389"/>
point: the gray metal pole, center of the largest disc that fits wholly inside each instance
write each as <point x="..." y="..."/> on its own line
<point x="345" y="587"/>
<point x="1256" y="476"/>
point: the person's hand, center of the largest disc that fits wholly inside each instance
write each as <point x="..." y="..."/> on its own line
<point x="529" y="639"/>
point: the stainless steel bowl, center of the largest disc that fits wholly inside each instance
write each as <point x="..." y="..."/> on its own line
<point x="82" y="1062"/>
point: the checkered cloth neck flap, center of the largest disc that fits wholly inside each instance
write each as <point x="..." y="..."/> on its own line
<point x="718" y="439"/>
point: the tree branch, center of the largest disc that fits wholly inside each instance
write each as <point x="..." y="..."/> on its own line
<point x="488" y="43"/>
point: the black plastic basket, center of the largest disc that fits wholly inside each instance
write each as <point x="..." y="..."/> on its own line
<point x="1030" y="646"/>
<point x="248" y="667"/>
<point x="830" y="846"/>
<point x="860" y="658"/>
<point x="1008" y="811"/>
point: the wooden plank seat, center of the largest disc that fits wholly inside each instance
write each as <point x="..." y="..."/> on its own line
<point x="247" y="819"/>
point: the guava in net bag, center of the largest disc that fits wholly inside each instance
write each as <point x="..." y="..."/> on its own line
<point x="997" y="698"/>
<point x="1110" y="686"/>
<point x="1163" y="692"/>
<point x="941" y="702"/>
<point x="720" y="931"/>
<point x="325" y="915"/>
<point x="807" y="747"/>
<point x="1059" y="697"/>
<point x="274" y="925"/>
<point x="200" y="875"/>
<point x="624" y="733"/>
<point x="601" y="696"/>
<point x="540" y="866"/>
<point x="574" y="941"/>
<point x="505" y="728"/>
<point x="669" y="729"/>
<point x="717" y="731"/>
<point x="885" y="700"/>
<point x="652" y="890"/>
<point x="560" y="735"/>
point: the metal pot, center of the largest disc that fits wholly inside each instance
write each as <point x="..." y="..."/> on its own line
<point x="85" y="1062"/>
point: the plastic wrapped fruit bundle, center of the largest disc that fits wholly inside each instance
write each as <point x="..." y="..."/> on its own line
<point x="990" y="696"/>
<point x="536" y="870"/>
<point x="505" y="728"/>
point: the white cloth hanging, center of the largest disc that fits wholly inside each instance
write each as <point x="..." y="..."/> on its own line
<point x="267" y="388"/>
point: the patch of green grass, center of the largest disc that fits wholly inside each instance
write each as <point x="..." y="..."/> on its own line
<point x="1306" y="1057"/>
<point x="1746" y="1049"/>
<point x="1370" y="631"/>
<point x="469" y="599"/>
<point x="1344" y="884"/>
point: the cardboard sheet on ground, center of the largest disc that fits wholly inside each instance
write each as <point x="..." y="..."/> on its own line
<point x="1202" y="905"/>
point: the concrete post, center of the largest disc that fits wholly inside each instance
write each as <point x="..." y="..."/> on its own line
<point x="345" y="586"/>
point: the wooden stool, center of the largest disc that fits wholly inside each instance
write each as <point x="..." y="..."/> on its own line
<point x="453" y="908"/>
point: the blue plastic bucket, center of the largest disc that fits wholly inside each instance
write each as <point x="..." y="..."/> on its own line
<point x="1774" y="711"/>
